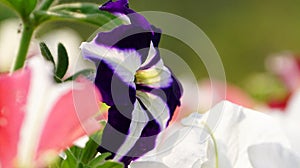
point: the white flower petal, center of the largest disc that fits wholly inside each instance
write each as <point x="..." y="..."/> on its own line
<point x="124" y="62"/>
<point x="240" y="128"/>
<point x="156" y="106"/>
<point x="272" y="155"/>
<point x="148" y="164"/>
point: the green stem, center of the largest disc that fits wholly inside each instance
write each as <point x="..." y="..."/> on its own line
<point x="214" y="142"/>
<point x="46" y="4"/>
<point x="24" y="45"/>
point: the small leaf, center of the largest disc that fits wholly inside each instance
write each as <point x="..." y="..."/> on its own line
<point x="71" y="160"/>
<point x="90" y="151"/>
<point x="76" y="151"/>
<point x="82" y="12"/>
<point x="62" y="62"/>
<point x="85" y="72"/>
<point x="99" y="160"/>
<point x="46" y="53"/>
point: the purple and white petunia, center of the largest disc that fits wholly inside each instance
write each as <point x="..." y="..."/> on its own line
<point x="141" y="91"/>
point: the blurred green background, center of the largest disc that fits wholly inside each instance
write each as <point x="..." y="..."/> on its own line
<point x="243" y="32"/>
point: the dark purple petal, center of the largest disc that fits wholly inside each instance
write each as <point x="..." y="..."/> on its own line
<point x="121" y="7"/>
<point x="116" y="129"/>
<point x="144" y="144"/>
<point x="113" y="89"/>
<point x="155" y="40"/>
<point x="127" y="37"/>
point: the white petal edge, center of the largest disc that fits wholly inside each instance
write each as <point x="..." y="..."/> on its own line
<point x="125" y="63"/>
<point x="156" y="106"/>
<point x="138" y="123"/>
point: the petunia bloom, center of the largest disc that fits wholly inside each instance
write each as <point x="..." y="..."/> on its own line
<point x="39" y="118"/>
<point x="237" y="135"/>
<point x="142" y="93"/>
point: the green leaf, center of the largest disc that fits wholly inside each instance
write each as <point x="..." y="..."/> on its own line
<point x="90" y="151"/>
<point x="45" y="4"/>
<point x="62" y="62"/>
<point x="71" y="160"/>
<point x="46" y="53"/>
<point x="111" y="164"/>
<point x="82" y="12"/>
<point x="85" y="72"/>
<point x="99" y="160"/>
<point x="76" y="151"/>
<point x="87" y="8"/>
<point x="22" y="7"/>
<point x="28" y="6"/>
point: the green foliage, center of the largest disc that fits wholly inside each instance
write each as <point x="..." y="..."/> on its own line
<point x="77" y="157"/>
<point x="46" y="53"/>
<point x="22" y="7"/>
<point x="61" y="67"/>
<point x="32" y="17"/>
<point x="62" y="62"/>
<point x="81" y="12"/>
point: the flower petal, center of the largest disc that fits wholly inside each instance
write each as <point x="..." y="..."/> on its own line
<point x="80" y="105"/>
<point x="122" y="7"/>
<point x="272" y="155"/>
<point x="148" y="164"/>
<point x="170" y="95"/>
<point x="13" y="98"/>
<point x="239" y="128"/>
<point x="129" y="137"/>
<point x="47" y="103"/>
<point x="125" y="37"/>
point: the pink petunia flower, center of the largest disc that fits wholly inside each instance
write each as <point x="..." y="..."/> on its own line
<point x="39" y="118"/>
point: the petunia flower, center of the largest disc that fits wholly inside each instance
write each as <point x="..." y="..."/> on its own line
<point x="39" y="118"/>
<point x="141" y="91"/>
<point x="197" y="142"/>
